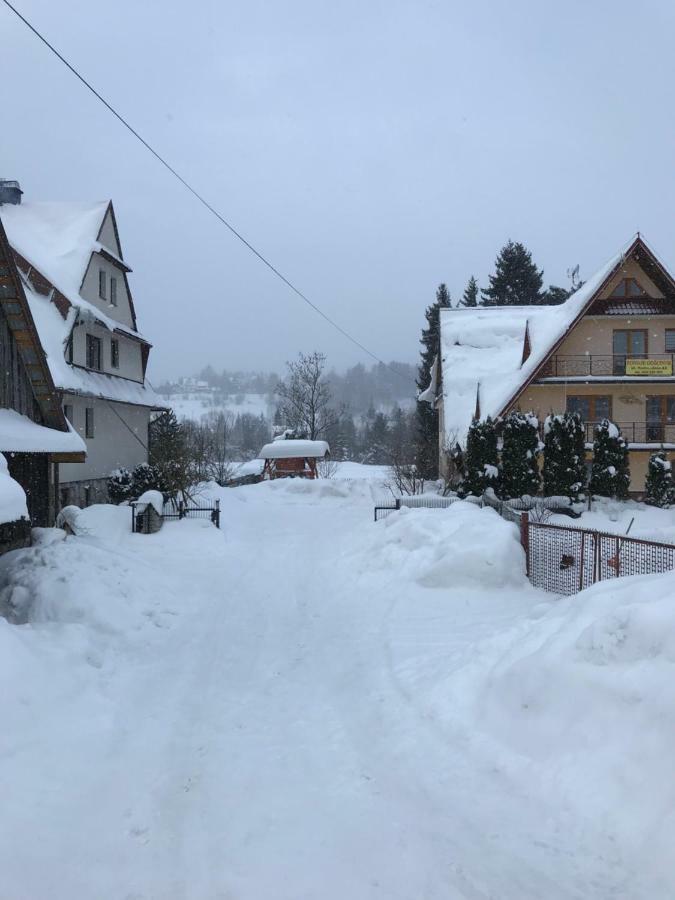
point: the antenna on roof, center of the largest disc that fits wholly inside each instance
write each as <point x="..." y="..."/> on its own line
<point x="573" y="275"/>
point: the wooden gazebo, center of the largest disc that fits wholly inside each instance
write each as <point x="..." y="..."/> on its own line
<point x="293" y="459"/>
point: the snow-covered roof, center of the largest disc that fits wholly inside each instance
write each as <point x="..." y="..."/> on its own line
<point x="294" y="450"/>
<point x="19" y="434"/>
<point x="57" y="238"/>
<point x="54" y="332"/>
<point x="12" y="496"/>
<point x="482" y="351"/>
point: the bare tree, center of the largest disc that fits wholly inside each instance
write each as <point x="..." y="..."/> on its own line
<point x="305" y="398"/>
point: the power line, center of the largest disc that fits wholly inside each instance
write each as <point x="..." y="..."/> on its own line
<point x="196" y="193"/>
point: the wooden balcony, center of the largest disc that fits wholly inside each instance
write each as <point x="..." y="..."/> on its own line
<point x="594" y="365"/>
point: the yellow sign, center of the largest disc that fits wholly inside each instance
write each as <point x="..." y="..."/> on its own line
<point x="649" y="367"/>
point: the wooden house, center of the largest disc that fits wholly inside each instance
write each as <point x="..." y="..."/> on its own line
<point x="607" y="352"/>
<point x="293" y="458"/>
<point x="35" y="436"/>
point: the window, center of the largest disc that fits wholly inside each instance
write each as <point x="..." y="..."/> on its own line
<point x="87" y="495"/>
<point x="628" y="287"/>
<point x="89" y="422"/>
<point x="68" y="412"/>
<point x="64" y="497"/>
<point x="113" y="291"/>
<point x="101" y="283"/>
<point x="628" y="344"/>
<point x="93" y="352"/>
<point x="69" y="349"/>
<point x="114" y="353"/>
<point x="670" y="340"/>
<point x="591" y="409"/>
<point x="660" y="415"/>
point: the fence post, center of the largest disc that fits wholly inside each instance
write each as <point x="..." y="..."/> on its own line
<point x="132" y="506"/>
<point x="398" y="503"/>
<point x="181" y="509"/>
<point x="525" y="539"/>
<point x="581" y="562"/>
<point x="216" y="514"/>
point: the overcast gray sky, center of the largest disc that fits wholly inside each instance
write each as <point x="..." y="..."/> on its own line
<point x="370" y="149"/>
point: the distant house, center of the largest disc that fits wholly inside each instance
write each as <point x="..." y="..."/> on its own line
<point x="35" y="437"/>
<point x="607" y="352"/>
<point x="75" y="280"/>
<point x="293" y="458"/>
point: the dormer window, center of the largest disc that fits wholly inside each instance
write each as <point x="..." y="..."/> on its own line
<point x="101" y="283"/>
<point x="113" y="291"/>
<point x="628" y="287"/>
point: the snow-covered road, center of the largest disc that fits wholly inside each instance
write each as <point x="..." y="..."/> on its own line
<point x="270" y="728"/>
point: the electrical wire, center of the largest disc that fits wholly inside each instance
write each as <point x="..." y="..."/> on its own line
<point x="197" y="195"/>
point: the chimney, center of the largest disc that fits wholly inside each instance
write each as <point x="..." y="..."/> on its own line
<point x="10" y="192"/>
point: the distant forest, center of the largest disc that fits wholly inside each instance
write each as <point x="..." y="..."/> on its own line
<point x="376" y="407"/>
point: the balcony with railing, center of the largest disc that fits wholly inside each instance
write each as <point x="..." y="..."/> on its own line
<point x="638" y="432"/>
<point x="597" y="365"/>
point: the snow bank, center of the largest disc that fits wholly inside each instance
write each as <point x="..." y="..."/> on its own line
<point x="12" y="496"/>
<point x="460" y="546"/>
<point x="593" y="680"/>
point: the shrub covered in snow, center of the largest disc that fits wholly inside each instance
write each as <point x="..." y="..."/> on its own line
<point x="520" y="470"/>
<point x="659" y="486"/>
<point x="564" y="456"/>
<point x="481" y="461"/>
<point x="119" y="485"/>
<point x="610" y="474"/>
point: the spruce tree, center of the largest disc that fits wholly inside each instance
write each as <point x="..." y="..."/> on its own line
<point x="659" y="485"/>
<point x="564" y="456"/>
<point x="520" y="448"/>
<point x="610" y="475"/>
<point x="555" y="295"/>
<point x="480" y="460"/>
<point x="426" y="453"/>
<point x="517" y="281"/>
<point x="470" y="296"/>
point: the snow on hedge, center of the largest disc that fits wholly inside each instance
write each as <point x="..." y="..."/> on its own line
<point x="12" y="496"/>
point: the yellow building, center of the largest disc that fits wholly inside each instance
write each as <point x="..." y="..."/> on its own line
<point x="607" y="352"/>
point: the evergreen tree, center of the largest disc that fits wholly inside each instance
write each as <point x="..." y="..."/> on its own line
<point x="610" y="475"/>
<point x="480" y="460"/>
<point x="564" y="456"/>
<point x="427" y="418"/>
<point x="166" y="438"/>
<point x="659" y="486"/>
<point x="555" y="295"/>
<point x="520" y="471"/>
<point x="470" y="295"/>
<point x="119" y="486"/>
<point x="517" y="281"/>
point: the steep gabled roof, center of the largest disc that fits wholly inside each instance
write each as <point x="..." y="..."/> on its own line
<point x="20" y="321"/>
<point x="495" y="352"/>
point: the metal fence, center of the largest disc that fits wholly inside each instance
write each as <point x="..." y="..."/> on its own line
<point x="566" y="560"/>
<point x="416" y="501"/>
<point x="193" y="509"/>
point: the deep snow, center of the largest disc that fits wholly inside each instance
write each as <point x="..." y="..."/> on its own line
<point x="311" y="705"/>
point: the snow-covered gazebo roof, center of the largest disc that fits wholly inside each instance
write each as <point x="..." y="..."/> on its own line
<point x="294" y="450"/>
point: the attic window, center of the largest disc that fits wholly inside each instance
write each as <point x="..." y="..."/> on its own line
<point x="113" y="291"/>
<point x="628" y="287"/>
<point x="101" y="283"/>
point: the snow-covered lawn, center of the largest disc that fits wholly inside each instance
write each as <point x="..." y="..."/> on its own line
<point x="310" y="705"/>
<point x="615" y="516"/>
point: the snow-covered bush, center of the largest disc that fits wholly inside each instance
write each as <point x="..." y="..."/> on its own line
<point x="610" y="474"/>
<point x="145" y="478"/>
<point x="564" y="456"/>
<point x="520" y="470"/>
<point x="481" y="460"/>
<point x="119" y="485"/>
<point x="659" y="486"/>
